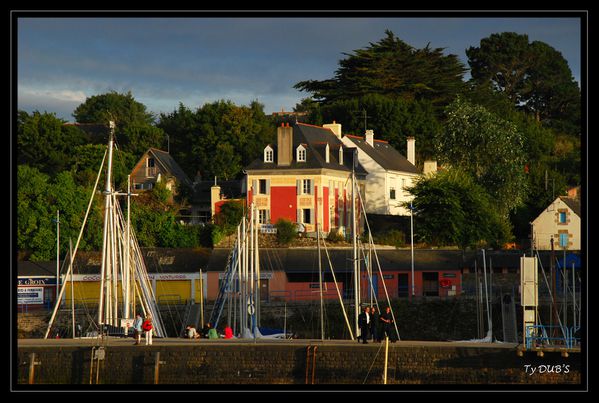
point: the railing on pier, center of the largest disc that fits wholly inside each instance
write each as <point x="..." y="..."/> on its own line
<point x="543" y="336"/>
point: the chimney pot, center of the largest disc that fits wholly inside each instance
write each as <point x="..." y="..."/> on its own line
<point x="411" y="150"/>
<point x="335" y="128"/>
<point x="370" y="137"/>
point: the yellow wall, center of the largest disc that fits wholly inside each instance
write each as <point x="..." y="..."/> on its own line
<point x="167" y="291"/>
<point x="84" y="292"/>
<point x="88" y="292"/>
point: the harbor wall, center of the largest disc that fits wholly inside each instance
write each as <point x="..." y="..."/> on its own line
<point x="219" y="363"/>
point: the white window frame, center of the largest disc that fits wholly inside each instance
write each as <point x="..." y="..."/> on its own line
<point x="301" y="154"/>
<point x="309" y="213"/>
<point x="307" y="186"/>
<point x="263" y="216"/>
<point x="269" y="154"/>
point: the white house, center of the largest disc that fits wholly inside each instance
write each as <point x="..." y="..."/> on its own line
<point x="560" y="221"/>
<point x="389" y="172"/>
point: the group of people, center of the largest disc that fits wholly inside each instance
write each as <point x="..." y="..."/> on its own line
<point x="143" y="326"/>
<point x="376" y="326"/>
<point x="372" y="325"/>
<point x="208" y="332"/>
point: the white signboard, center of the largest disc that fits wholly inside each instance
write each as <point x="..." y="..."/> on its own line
<point x="30" y="295"/>
<point x="127" y="323"/>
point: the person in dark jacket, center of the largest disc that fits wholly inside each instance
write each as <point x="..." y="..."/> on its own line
<point x="388" y="325"/>
<point x="364" y="324"/>
<point x="205" y="330"/>
<point x="375" y="325"/>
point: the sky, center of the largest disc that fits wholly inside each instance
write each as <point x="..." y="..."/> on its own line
<point x="164" y="61"/>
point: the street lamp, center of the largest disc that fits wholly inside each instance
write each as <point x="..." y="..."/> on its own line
<point x="412" y="241"/>
<point x="57" y="221"/>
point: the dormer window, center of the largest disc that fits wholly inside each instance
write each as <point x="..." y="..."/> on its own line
<point x="301" y="154"/>
<point x="341" y="155"/>
<point x="326" y="153"/>
<point x="268" y="154"/>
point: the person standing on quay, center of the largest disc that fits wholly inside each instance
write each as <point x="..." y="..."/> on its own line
<point x="364" y="323"/>
<point x="148" y="328"/>
<point x="388" y="328"/>
<point x="137" y="328"/>
<point x="374" y="324"/>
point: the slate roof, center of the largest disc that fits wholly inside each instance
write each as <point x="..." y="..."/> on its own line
<point x="384" y="155"/>
<point x="28" y="268"/>
<point x="314" y="139"/>
<point x="158" y="260"/>
<point x="232" y="189"/>
<point x="572" y="203"/>
<point x="169" y="163"/>
<point x="302" y="260"/>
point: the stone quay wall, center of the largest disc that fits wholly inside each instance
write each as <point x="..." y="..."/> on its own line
<point x="218" y="362"/>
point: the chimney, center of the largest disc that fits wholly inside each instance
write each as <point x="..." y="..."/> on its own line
<point x="335" y="128"/>
<point x="284" y="144"/>
<point x="411" y="152"/>
<point x="214" y="197"/>
<point x="430" y="167"/>
<point x="370" y="137"/>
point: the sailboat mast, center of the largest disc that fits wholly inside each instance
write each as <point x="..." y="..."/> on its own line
<point x="72" y="290"/>
<point x="320" y="282"/>
<point x="252" y="269"/>
<point x="355" y="247"/>
<point x="257" y="267"/>
<point x="107" y="208"/>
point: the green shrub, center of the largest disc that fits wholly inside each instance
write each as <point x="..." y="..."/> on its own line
<point x="391" y="237"/>
<point x="286" y="231"/>
<point x="335" y="236"/>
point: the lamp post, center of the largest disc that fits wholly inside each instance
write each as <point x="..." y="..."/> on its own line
<point x="412" y="242"/>
<point x="57" y="220"/>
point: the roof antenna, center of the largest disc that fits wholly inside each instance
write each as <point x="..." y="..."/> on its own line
<point x="363" y="112"/>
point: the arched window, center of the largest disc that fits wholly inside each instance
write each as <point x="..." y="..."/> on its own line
<point x="301" y="154"/>
<point x="268" y="154"/>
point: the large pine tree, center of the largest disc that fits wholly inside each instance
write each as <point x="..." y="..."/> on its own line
<point x="392" y="68"/>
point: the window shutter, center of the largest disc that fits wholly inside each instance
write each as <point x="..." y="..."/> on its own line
<point x="299" y="215"/>
<point x="312" y="216"/>
<point x="268" y="186"/>
<point x="311" y="186"/>
<point x="268" y="216"/>
<point x="298" y="184"/>
<point x="255" y="189"/>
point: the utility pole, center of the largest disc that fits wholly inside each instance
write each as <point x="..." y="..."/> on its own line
<point x="57" y="253"/>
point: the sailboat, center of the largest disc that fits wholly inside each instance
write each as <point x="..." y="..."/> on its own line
<point x="359" y="253"/>
<point x="122" y="263"/>
<point x="240" y="286"/>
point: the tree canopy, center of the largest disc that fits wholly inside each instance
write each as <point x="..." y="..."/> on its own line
<point x="488" y="148"/>
<point x="135" y="129"/>
<point x="219" y="138"/>
<point x="392" y="68"/>
<point x="450" y="208"/>
<point x="534" y="76"/>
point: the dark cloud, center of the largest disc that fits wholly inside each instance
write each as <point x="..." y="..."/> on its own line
<point x="166" y="61"/>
